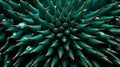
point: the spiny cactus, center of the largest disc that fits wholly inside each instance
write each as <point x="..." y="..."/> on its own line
<point x="59" y="33"/>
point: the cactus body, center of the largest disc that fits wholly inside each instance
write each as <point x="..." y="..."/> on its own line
<point x="59" y="33"/>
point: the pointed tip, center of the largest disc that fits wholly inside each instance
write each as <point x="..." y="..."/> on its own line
<point x="112" y="37"/>
<point x="47" y="37"/>
<point x="60" y="56"/>
<point x="1" y="23"/>
<point x="30" y="38"/>
<point x="14" y="46"/>
<point x="5" y="52"/>
<point x="64" y="41"/>
<point x="89" y="46"/>
<point x="1" y="49"/>
<point x="116" y="26"/>
<point x="51" y="46"/>
<point x="110" y="61"/>
<point x="86" y="24"/>
<point x="7" y="30"/>
<point x="77" y="38"/>
<point x="86" y="65"/>
<point x="118" y="44"/>
<point x="9" y="38"/>
<point x="32" y="51"/>
<point x="116" y="52"/>
<point x="15" y="26"/>
<point x="32" y="65"/>
<point x="73" y="58"/>
<point x="93" y="36"/>
<point x="80" y="48"/>
<point x="14" y="64"/>
<point x="101" y="29"/>
<point x="18" y="40"/>
<point x="52" y="65"/>
<point x="46" y="55"/>
<point x="102" y="42"/>
<point x="14" y="57"/>
<point x="22" y="54"/>
<point x="39" y="31"/>
<point x="67" y="49"/>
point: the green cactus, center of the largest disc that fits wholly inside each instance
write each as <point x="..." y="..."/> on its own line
<point x="59" y="33"/>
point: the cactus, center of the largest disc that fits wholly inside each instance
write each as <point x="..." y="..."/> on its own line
<point x="59" y="33"/>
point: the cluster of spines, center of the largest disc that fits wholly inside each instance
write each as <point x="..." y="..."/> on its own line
<point x="70" y="27"/>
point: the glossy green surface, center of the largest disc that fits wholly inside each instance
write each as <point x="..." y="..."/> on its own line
<point x="59" y="33"/>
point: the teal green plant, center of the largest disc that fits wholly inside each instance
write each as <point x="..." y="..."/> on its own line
<point x="59" y="33"/>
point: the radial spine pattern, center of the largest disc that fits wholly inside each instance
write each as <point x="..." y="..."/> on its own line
<point x="59" y="33"/>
